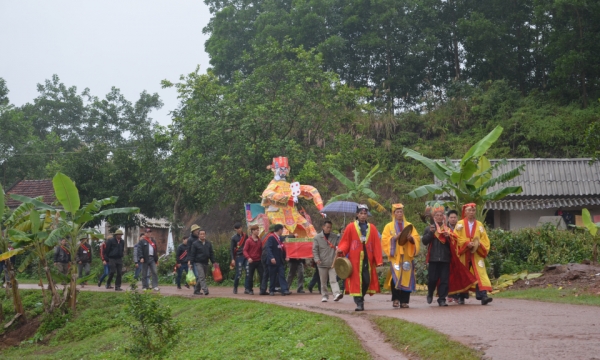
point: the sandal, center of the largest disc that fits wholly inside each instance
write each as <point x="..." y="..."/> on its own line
<point x="396" y="304"/>
<point x="404" y="306"/>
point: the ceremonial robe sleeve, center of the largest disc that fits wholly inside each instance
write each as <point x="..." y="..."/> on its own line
<point x="413" y="249"/>
<point x="344" y="245"/>
<point x="484" y="241"/>
<point x="386" y="239"/>
<point x="310" y="193"/>
<point x="377" y="253"/>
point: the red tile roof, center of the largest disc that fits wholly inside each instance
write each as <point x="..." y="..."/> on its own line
<point x="31" y="188"/>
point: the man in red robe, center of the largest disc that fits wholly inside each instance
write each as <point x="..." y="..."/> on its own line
<point x="362" y="245"/>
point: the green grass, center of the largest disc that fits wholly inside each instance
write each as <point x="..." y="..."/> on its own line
<point x="565" y="296"/>
<point x="213" y="328"/>
<point x="422" y="342"/>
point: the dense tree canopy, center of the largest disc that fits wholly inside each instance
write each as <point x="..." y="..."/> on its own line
<point x="332" y="85"/>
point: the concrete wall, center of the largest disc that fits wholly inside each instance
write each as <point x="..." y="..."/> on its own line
<point x="529" y="218"/>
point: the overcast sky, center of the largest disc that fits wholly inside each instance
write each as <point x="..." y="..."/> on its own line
<point x="129" y="44"/>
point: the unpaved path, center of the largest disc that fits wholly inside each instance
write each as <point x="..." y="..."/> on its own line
<point x="505" y="329"/>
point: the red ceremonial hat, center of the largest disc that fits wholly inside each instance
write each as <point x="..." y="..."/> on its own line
<point x="280" y="161"/>
<point x="465" y="206"/>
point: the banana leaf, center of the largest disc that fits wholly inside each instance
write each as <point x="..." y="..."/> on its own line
<point x="66" y="192"/>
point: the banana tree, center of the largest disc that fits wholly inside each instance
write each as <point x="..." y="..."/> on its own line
<point x="358" y="190"/>
<point x="30" y="235"/>
<point x="468" y="180"/>
<point x="71" y="222"/>
<point x="6" y="254"/>
<point x="592" y="227"/>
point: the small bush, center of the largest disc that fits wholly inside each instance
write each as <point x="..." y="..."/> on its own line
<point x="153" y="329"/>
<point x="532" y="248"/>
<point x="53" y="321"/>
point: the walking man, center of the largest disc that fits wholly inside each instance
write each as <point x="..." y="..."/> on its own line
<point x="253" y="254"/>
<point x="62" y="258"/>
<point x="104" y="263"/>
<point x="362" y="245"/>
<point x="437" y="239"/>
<point x="83" y="259"/>
<point x="200" y="252"/>
<point x="238" y="261"/>
<point x="296" y="267"/>
<point x="275" y="249"/>
<point x="324" y="249"/>
<point x="182" y="265"/>
<point x="115" y="246"/>
<point x="194" y="231"/>
<point x="149" y="260"/>
<point x="473" y="248"/>
<point x="136" y="258"/>
<point x="402" y="280"/>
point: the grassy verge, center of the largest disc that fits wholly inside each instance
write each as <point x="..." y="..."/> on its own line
<point x="565" y="296"/>
<point x="213" y="328"/>
<point x="422" y="342"/>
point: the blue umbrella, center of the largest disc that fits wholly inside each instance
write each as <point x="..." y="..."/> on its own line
<point x="341" y="207"/>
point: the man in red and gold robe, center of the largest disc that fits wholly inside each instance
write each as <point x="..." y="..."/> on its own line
<point x="473" y="247"/>
<point x="362" y="245"/>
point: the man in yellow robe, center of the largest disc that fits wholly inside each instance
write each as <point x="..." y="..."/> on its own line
<point x="402" y="280"/>
<point x="473" y="247"/>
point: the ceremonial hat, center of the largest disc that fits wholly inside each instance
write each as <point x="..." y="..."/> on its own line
<point x="465" y="206"/>
<point x="280" y="161"/>
<point x="343" y="267"/>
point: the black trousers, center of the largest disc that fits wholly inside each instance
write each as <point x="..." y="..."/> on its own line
<point x="479" y="294"/>
<point x="400" y="295"/>
<point x="250" y="269"/>
<point x="438" y="271"/>
<point x="366" y="281"/>
<point x="116" y="266"/>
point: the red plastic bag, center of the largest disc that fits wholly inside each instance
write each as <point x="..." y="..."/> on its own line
<point x="216" y="273"/>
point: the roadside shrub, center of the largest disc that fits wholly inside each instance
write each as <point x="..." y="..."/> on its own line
<point x="153" y="329"/>
<point x="532" y="248"/>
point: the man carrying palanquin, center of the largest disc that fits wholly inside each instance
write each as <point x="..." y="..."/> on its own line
<point x="402" y="281"/>
<point x="362" y="244"/>
<point x="473" y="247"/>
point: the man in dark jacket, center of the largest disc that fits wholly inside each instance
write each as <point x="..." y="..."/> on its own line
<point x="275" y="250"/>
<point x="439" y="258"/>
<point x="115" y="246"/>
<point x="194" y="231"/>
<point x="181" y="257"/>
<point x="62" y="258"/>
<point x="149" y="260"/>
<point x="83" y="258"/>
<point x="200" y="253"/>
<point x="238" y="261"/>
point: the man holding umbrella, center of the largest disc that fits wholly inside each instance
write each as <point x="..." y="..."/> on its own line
<point x="362" y="245"/>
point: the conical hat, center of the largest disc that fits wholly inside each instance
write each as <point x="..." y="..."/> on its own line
<point x="343" y="267"/>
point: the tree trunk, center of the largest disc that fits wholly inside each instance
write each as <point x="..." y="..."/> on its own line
<point x="55" y="298"/>
<point x="17" y="302"/>
<point x="174" y="225"/>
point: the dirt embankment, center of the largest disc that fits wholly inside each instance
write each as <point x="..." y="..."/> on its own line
<point x="585" y="277"/>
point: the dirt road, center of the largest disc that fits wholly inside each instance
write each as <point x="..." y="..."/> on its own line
<point x="505" y="329"/>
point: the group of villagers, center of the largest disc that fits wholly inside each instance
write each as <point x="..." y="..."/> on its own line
<point x="456" y="255"/>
